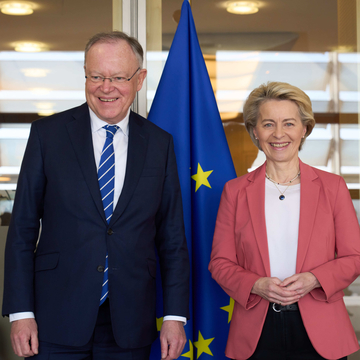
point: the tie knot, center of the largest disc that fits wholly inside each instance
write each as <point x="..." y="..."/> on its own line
<point x="110" y="130"/>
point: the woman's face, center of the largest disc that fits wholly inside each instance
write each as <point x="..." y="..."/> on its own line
<point x="279" y="130"/>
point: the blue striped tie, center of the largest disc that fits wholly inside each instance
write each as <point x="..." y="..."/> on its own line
<point x="106" y="177"/>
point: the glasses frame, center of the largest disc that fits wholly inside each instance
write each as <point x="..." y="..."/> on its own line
<point x="111" y="79"/>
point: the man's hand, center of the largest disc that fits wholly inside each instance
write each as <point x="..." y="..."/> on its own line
<point x="172" y="339"/>
<point x="24" y="337"/>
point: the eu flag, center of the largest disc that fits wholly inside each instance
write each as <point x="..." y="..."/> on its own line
<point x="185" y="106"/>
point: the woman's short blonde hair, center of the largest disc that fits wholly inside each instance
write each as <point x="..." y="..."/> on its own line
<point x="277" y="91"/>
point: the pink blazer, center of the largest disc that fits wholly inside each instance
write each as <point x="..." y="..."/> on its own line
<point x="328" y="246"/>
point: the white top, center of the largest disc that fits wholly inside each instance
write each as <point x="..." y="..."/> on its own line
<point x="282" y="227"/>
<point x="120" y="143"/>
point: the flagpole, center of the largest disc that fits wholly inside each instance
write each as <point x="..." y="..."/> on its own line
<point x="190" y="2"/>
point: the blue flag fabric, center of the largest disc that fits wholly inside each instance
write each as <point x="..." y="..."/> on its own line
<point x="185" y="106"/>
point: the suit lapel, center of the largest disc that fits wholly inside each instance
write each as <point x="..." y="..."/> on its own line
<point x="256" y="202"/>
<point x="309" y="198"/>
<point x="80" y="134"/>
<point x="138" y="141"/>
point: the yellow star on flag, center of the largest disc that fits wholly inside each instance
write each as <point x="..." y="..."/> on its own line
<point x="190" y="353"/>
<point x="159" y="322"/>
<point x="202" y="345"/>
<point x="201" y="178"/>
<point x="229" y="308"/>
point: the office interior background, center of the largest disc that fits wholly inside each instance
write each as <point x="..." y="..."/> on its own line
<point x="311" y="44"/>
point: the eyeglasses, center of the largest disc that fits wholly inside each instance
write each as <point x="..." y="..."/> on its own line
<point x="115" y="79"/>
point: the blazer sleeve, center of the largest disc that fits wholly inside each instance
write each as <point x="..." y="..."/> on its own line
<point x="24" y="230"/>
<point x="236" y="281"/>
<point x="171" y="243"/>
<point x="338" y="273"/>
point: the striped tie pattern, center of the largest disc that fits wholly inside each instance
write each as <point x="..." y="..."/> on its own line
<point x="106" y="178"/>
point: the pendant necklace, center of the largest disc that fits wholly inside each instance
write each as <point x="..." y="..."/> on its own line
<point x="282" y="196"/>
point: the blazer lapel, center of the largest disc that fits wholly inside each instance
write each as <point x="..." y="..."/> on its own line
<point x="138" y="142"/>
<point x="256" y="202"/>
<point x="80" y="134"/>
<point x="309" y="198"/>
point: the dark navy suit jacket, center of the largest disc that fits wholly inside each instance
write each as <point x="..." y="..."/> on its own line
<point x="60" y="279"/>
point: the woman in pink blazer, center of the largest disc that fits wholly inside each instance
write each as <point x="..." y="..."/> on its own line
<point x="286" y="242"/>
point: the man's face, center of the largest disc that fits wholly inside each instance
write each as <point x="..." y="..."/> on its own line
<point x="110" y="101"/>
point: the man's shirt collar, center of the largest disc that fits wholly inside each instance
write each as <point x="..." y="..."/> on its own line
<point x="97" y="124"/>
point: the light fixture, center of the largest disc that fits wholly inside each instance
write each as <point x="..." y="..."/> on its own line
<point x="40" y="91"/>
<point x="242" y="7"/>
<point x="35" y="72"/>
<point x="5" y="178"/>
<point x="17" y="7"/>
<point x="29" y="46"/>
<point x="44" y="106"/>
<point x="343" y="49"/>
<point x="46" y="112"/>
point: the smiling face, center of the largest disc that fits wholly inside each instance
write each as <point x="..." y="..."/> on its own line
<point x="279" y="130"/>
<point x="110" y="101"/>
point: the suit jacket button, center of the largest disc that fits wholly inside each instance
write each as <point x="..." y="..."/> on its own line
<point x="110" y="231"/>
<point x="100" y="268"/>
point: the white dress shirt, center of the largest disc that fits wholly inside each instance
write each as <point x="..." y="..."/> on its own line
<point x="120" y="143"/>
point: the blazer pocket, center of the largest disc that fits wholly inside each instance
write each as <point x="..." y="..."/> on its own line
<point x="46" y="261"/>
<point x="152" y="172"/>
<point x="152" y="267"/>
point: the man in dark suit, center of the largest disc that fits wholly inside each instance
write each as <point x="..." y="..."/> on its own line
<point x="88" y="249"/>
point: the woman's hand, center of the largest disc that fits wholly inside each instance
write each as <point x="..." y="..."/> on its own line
<point x="301" y="283"/>
<point x="271" y="290"/>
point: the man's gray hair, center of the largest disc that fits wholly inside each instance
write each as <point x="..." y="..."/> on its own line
<point x="114" y="36"/>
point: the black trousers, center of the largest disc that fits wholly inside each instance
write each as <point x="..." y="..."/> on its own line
<point x="102" y="345"/>
<point x="284" y="338"/>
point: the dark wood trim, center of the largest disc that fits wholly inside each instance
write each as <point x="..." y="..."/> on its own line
<point x="354" y="193"/>
<point x="18" y="118"/>
<point x="321" y="118"/>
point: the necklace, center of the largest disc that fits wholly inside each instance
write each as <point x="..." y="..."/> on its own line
<point x="289" y="182"/>
<point x="282" y="196"/>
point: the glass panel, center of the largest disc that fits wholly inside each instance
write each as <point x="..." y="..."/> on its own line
<point x="312" y="45"/>
<point x="38" y="84"/>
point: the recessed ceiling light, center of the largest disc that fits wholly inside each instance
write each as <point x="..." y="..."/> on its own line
<point x="29" y="46"/>
<point x="46" y="112"/>
<point x="5" y="178"/>
<point x="35" y="72"/>
<point x="242" y="7"/>
<point x="44" y="106"/>
<point x="343" y="49"/>
<point x="17" y="7"/>
<point x="40" y="91"/>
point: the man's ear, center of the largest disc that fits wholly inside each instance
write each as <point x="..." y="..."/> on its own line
<point x="141" y="78"/>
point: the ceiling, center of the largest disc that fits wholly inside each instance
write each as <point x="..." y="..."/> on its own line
<point x="282" y="25"/>
<point x="66" y="25"/>
<point x="289" y="25"/>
